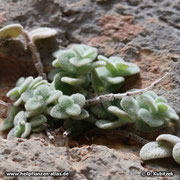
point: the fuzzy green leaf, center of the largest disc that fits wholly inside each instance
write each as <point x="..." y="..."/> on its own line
<point x="58" y="112"/>
<point x="126" y="69"/>
<point x="20" y="81"/>
<point x="151" y="120"/>
<point x="104" y="124"/>
<point x="20" y="117"/>
<point x="73" y="110"/>
<point x="162" y="107"/>
<point x="27" y="130"/>
<point x="38" y="120"/>
<point x="43" y="91"/>
<point x="64" y="87"/>
<point x="11" y="31"/>
<point x="73" y="81"/>
<point x="168" y="138"/>
<point x="27" y="95"/>
<point x="35" y="81"/>
<point x="24" y="86"/>
<point x="13" y="92"/>
<point x="78" y="99"/>
<point x="53" y="96"/>
<point x="97" y="83"/>
<point x="130" y="105"/>
<point x="42" y="82"/>
<point x="152" y="94"/>
<point x="63" y="60"/>
<point x="160" y="99"/>
<point x="42" y="33"/>
<point x="114" y="80"/>
<point x="11" y="134"/>
<point x="176" y="153"/>
<point x="33" y="104"/>
<point x="149" y="101"/>
<point x="122" y="115"/>
<point x="18" y="102"/>
<point x="155" y="150"/>
<point x="79" y="62"/>
<point x="65" y="101"/>
<point x="84" y="114"/>
<point x="109" y="64"/>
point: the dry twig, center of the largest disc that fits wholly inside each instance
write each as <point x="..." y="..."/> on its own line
<point x="111" y="96"/>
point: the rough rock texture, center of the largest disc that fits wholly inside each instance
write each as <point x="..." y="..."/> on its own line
<point x="88" y="162"/>
<point x="144" y="32"/>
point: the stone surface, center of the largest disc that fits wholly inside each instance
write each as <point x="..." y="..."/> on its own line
<point x="87" y="162"/>
<point x="144" y="32"/>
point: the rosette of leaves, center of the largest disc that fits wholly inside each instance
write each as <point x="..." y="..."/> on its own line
<point x="37" y="102"/>
<point x="166" y="145"/>
<point x="149" y="111"/>
<point x="35" y="94"/>
<point x="22" y="127"/>
<point x="73" y="65"/>
<point x="69" y="107"/>
<point x="111" y="77"/>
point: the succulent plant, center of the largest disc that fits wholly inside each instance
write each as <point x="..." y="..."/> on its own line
<point x="166" y="145"/>
<point x="72" y="65"/>
<point x="36" y="94"/>
<point x="70" y="107"/>
<point x="23" y="127"/>
<point x="111" y="77"/>
<point x="149" y="111"/>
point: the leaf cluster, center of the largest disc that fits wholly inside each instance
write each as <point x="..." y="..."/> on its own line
<point x="148" y="111"/>
<point x="166" y="145"/>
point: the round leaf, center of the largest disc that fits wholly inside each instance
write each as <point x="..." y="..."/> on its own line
<point x="58" y="113"/>
<point x="42" y="33"/>
<point x="155" y="150"/>
<point x="73" y="110"/>
<point x="148" y="118"/>
<point x="176" y="153"/>
<point x="168" y="138"/>
<point x="79" y="99"/>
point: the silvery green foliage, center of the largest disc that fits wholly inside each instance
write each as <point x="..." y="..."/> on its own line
<point x="35" y="96"/>
<point x="111" y="77"/>
<point x="166" y="145"/>
<point x="8" y="122"/>
<point x="42" y="33"/>
<point x="70" y="107"/>
<point x="149" y="111"/>
<point x="11" y="31"/>
<point x="72" y="65"/>
<point x="23" y="127"/>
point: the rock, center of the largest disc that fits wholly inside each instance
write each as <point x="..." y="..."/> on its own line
<point x="144" y="32"/>
<point x="87" y="162"/>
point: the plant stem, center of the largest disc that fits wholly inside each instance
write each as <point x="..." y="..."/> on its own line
<point x="35" y="54"/>
<point x="111" y="96"/>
